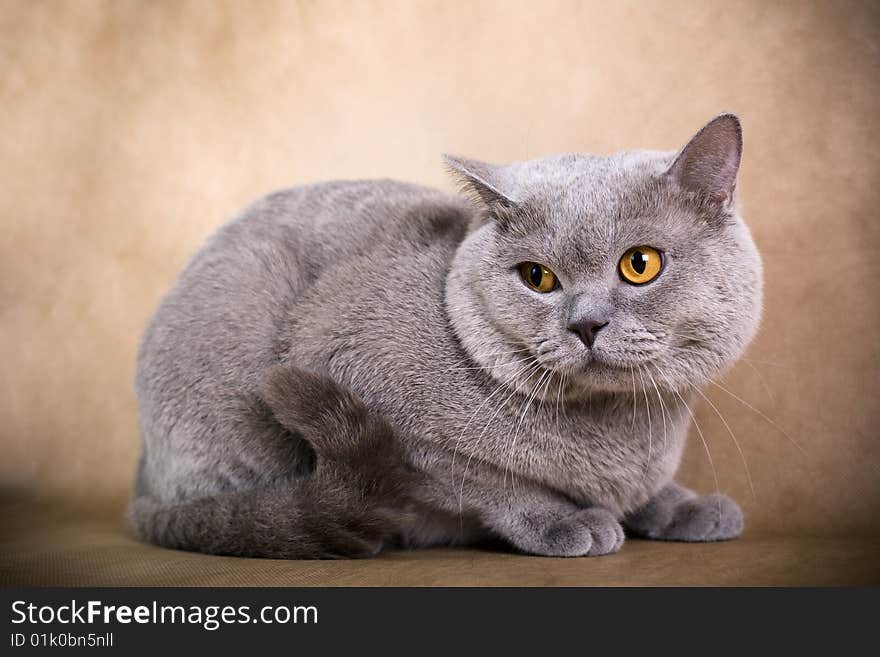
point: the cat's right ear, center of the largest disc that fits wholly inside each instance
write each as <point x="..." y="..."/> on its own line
<point x="485" y="182"/>
<point x="709" y="163"/>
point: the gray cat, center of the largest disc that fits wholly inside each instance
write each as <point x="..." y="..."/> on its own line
<point x="351" y="366"/>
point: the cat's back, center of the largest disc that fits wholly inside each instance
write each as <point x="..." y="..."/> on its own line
<point x="229" y="303"/>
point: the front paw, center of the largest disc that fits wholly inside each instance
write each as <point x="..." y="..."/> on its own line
<point x="590" y="532"/>
<point x="697" y="519"/>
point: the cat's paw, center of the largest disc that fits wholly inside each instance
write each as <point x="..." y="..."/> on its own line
<point x="696" y="519"/>
<point x="679" y="514"/>
<point x="590" y="532"/>
<point x="710" y="518"/>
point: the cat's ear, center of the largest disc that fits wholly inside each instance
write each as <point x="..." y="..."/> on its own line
<point x="486" y="181"/>
<point x="709" y="163"/>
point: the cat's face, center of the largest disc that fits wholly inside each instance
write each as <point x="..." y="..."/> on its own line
<point x="612" y="269"/>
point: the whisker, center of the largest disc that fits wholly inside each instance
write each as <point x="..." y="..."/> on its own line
<point x="502" y="387"/>
<point x="558" y="397"/>
<point x="501" y="405"/>
<point x="541" y="398"/>
<point x="705" y="446"/>
<point x="762" y="414"/>
<point x="564" y="383"/>
<point x="735" y="441"/>
<point x="673" y="334"/>
<point x="482" y="367"/>
<point x="763" y="362"/>
<point x="662" y="407"/>
<point x="633" y="374"/>
<point x="468" y="358"/>
<point x="648" y="410"/>
<point x="761" y="379"/>
<point x="531" y="370"/>
<point x="522" y="416"/>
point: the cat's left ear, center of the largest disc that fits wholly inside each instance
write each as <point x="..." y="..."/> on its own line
<point x="487" y="181"/>
<point x="709" y="163"/>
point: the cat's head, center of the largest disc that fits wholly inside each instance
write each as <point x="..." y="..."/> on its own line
<point x="620" y="270"/>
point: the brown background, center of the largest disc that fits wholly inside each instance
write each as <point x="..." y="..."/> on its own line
<point x="131" y="130"/>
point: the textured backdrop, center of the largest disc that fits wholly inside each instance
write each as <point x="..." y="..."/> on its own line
<point x="129" y="131"/>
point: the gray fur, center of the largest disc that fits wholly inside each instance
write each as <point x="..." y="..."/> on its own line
<point x="355" y="365"/>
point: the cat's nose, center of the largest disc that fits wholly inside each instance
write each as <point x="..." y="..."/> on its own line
<point x="587" y="328"/>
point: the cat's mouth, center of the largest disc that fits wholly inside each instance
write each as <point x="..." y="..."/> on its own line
<point x="616" y="361"/>
<point x="614" y="365"/>
<point x="601" y="371"/>
<point x="593" y="360"/>
<point x="609" y="371"/>
<point x="614" y="375"/>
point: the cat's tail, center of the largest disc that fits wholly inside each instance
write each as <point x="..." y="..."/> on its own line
<point x="355" y="502"/>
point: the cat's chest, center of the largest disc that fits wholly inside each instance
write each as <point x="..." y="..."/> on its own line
<point x="614" y="450"/>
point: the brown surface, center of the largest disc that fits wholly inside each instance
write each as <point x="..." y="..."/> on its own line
<point x="131" y="130"/>
<point x="47" y="547"/>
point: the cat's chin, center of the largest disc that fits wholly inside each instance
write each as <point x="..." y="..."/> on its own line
<point x="604" y="374"/>
<point x="614" y="376"/>
<point x="608" y="377"/>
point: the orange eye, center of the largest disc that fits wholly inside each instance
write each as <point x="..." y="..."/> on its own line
<point x="538" y="277"/>
<point x="640" y="265"/>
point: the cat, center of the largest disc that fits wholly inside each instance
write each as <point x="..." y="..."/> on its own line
<point x="354" y="366"/>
